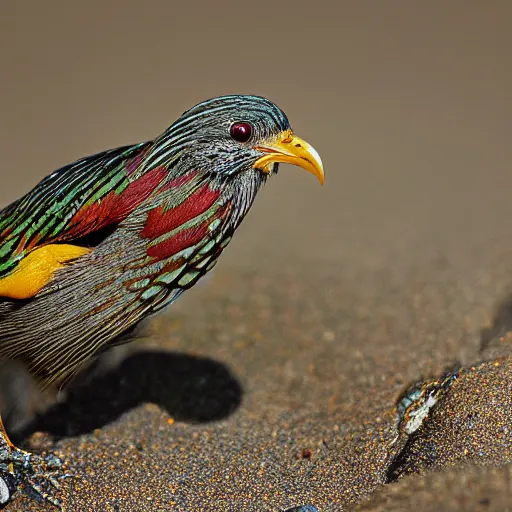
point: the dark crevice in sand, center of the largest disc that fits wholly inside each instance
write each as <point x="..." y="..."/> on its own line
<point x="501" y="324"/>
<point x="414" y="407"/>
<point x="398" y="464"/>
<point x="191" y="389"/>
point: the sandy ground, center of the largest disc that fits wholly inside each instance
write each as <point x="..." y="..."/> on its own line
<point x="281" y="380"/>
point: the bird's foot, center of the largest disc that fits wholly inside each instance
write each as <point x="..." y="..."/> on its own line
<point x="37" y="476"/>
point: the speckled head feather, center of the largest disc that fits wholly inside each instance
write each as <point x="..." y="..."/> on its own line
<point x="103" y="243"/>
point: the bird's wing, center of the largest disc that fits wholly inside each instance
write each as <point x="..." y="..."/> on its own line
<point x="71" y="208"/>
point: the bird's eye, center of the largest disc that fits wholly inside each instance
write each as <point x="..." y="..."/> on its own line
<point x="241" y="132"/>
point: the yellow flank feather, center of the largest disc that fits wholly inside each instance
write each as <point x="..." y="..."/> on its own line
<point x="36" y="270"/>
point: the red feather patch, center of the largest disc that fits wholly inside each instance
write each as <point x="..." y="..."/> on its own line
<point x="160" y="221"/>
<point x="114" y="208"/>
<point x="182" y="240"/>
<point x="185" y="238"/>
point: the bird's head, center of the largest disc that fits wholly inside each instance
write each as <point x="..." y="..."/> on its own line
<point x="235" y="135"/>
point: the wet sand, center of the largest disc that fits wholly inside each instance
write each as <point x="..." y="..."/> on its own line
<point x="275" y="383"/>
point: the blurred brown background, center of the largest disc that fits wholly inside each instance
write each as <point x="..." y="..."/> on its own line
<point x="408" y="104"/>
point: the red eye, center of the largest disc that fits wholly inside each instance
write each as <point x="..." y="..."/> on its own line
<point x="241" y="132"/>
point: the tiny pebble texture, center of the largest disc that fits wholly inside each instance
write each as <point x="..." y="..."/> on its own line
<point x="274" y="383"/>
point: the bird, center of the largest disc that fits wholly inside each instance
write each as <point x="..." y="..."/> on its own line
<point x="113" y="238"/>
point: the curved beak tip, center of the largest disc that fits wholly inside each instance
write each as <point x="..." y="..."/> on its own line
<point x="317" y="167"/>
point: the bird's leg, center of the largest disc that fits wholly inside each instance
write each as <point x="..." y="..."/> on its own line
<point x="21" y="470"/>
<point x="10" y="454"/>
<point x="8" y="477"/>
<point x="9" y="443"/>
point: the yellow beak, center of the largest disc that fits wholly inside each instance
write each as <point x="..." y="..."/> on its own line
<point x="290" y="149"/>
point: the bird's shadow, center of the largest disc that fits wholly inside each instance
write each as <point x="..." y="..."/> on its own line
<point x="191" y="389"/>
<point x="501" y="323"/>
